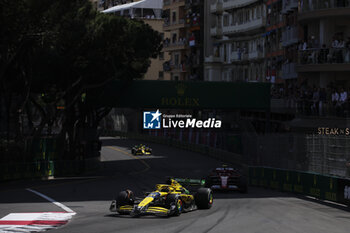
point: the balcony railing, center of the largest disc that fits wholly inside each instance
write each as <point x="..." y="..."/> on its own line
<point x="213" y="59"/>
<point x="216" y="31"/>
<point x="230" y="4"/>
<point x="175" y="44"/>
<point x="289" y="5"/>
<point x="179" y="22"/>
<point x="324" y="56"/>
<point x="255" y="54"/>
<point x="303" y="107"/>
<point x="192" y="2"/>
<point x="239" y="56"/>
<point x="308" y="6"/>
<point x="251" y="25"/>
<point x="290" y="36"/>
<point x="166" y="2"/>
<point x="289" y="71"/>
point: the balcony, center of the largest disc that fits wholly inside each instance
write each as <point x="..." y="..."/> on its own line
<point x="289" y="5"/>
<point x="178" y="68"/>
<point x="237" y="56"/>
<point x="289" y="71"/>
<point x="190" y="3"/>
<point x="216" y="31"/>
<point x="244" y="27"/>
<point x="217" y="8"/>
<point x="322" y="60"/>
<point x="324" y="8"/>
<point x="170" y="4"/>
<point x="213" y="59"/>
<point x="232" y="4"/>
<point x="180" y="45"/>
<point x="255" y="55"/>
<point x="290" y="36"/>
<point x="169" y="26"/>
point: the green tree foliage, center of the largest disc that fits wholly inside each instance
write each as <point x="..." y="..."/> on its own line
<point x="53" y="52"/>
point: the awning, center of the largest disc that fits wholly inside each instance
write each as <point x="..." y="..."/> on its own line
<point x="145" y="4"/>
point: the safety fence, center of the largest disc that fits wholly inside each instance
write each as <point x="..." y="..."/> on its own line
<point x="320" y="186"/>
<point x="323" y="187"/>
<point x="221" y="155"/>
<point x="42" y="169"/>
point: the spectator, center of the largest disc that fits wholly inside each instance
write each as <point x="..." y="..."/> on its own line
<point x="323" y="54"/>
<point x="335" y="99"/>
<point x="341" y="46"/>
<point x="322" y="101"/>
<point x="315" y="100"/>
<point x="342" y="100"/>
<point x="347" y="51"/>
<point x="305" y="46"/>
<point x="335" y="42"/>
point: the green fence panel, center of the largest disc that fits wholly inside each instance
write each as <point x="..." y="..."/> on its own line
<point x="319" y="186"/>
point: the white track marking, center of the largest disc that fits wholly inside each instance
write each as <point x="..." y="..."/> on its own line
<point x="33" y="222"/>
<point x="65" y="208"/>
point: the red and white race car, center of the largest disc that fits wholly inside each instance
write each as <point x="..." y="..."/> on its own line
<point x="226" y="178"/>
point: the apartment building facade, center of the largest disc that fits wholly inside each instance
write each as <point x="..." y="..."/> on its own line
<point x="273" y="41"/>
<point x="183" y="20"/>
<point x="235" y="48"/>
<point x="290" y="40"/>
<point x="149" y="11"/>
<point x="324" y="58"/>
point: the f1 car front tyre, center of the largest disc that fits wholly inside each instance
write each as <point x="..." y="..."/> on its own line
<point x="204" y="198"/>
<point x="125" y="198"/>
<point x="174" y="200"/>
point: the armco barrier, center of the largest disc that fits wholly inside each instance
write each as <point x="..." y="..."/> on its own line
<point x="311" y="184"/>
<point x="218" y="154"/>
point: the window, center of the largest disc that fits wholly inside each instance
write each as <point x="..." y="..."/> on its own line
<point x="226" y="20"/>
<point x="174" y="16"/>
<point x="174" y="38"/>
<point x="176" y="59"/>
<point x="161" y="75"/>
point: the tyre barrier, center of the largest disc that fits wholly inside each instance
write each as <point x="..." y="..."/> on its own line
<point x="322" y="187"/>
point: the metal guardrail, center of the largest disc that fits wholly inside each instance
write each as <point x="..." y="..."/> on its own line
<point x="221" y="155"/>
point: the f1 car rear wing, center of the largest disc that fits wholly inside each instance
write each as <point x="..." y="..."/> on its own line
<point x="191" y="182"/>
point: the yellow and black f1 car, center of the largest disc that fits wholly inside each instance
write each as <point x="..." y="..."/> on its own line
<point x="141" y="150"/>
<point x="169" y="199"/>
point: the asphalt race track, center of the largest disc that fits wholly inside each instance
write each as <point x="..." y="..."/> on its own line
<point x="259" y="211"/>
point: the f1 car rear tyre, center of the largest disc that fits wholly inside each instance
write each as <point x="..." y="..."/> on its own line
<point x="174" y="199"/>
<point x="204" y="198"/>
<point x="125" y="198"/>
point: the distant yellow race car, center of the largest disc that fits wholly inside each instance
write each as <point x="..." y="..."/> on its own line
<point x="169" y="199"/>
<point x="141" y="150"/>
